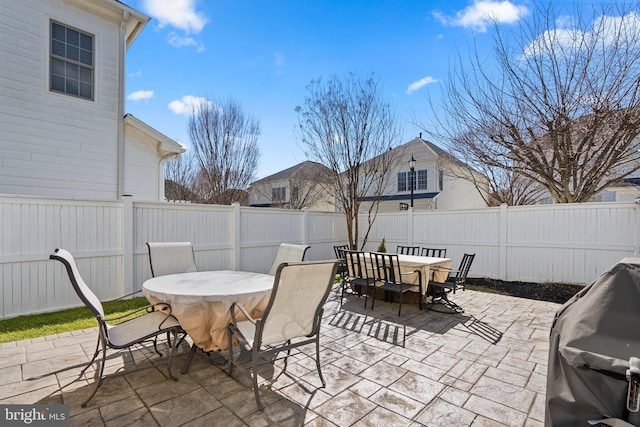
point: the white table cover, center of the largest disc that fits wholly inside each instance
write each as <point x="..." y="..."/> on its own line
<point x="201" y="300"/>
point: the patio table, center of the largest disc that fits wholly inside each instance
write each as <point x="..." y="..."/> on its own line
<point x="201" y="301"/>
<point x="426" y="265"/>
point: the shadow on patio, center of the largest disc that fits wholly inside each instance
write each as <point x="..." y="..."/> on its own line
<point x="484" y="367"/>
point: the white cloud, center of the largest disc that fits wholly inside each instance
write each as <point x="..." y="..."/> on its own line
<point x="186" y="105"/>
<point x="136" y="73"/>
<point x="179" y="41"/>
<point x="420" y="83"/>
<point x="180" y="14"/>
<point x="609" y="29"/>
<point x="481" y="12"/>
<point x="140" y="95"/>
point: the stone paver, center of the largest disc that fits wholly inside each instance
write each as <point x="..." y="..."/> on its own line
<point x="484" y="367"/>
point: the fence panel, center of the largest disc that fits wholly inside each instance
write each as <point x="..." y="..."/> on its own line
<point x="208" y="227"/>
<point x="33" y="227"/>
<point x="551" y="243"/>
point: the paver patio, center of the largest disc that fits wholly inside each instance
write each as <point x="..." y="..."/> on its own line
<point x="485" y="367"/>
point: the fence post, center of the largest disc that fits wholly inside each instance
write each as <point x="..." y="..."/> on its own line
<point x="502" y="253"/>
<point x="305" y="226"/>
<point x="235" y="236"/>
<point x="410" y="227"/>
<point x="127" y="244"/>
<point x="636" y="249"/>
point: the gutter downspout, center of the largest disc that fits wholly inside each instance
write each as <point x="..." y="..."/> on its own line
<point x="122" y="47"/>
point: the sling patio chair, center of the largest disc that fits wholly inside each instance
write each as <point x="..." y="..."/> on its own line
<point x="125" y="334"/>
<point x="171" y="258"/>
<point x="288" y="252"/>
<point x="342" y="267"/>
<point x="291" y="319"/>
<point x="455" y="282"/>
<point x="408" y="250"/>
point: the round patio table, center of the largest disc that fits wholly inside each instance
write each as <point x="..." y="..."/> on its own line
<point x="201" y="301"/>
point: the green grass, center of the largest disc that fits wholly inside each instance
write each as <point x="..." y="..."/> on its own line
<point x="38" y="325"/>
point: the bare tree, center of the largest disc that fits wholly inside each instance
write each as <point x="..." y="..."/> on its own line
<point x="348" y="127"/>
<point x="561" y="111"/>
<point x="224" y="140"/>
<point x="180" y="180"/>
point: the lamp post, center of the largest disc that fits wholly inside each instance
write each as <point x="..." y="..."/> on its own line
<point x="412" y="168"/>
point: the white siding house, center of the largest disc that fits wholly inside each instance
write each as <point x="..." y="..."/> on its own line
<point x="438" y="182"/>
<point x="62" y="121"/>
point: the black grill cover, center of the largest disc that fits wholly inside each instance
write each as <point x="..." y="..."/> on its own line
<point x="592" y="338"/>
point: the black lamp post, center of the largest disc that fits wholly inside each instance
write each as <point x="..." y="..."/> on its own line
<point x="412" y="166"/>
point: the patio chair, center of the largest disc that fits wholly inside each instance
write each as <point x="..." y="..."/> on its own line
<point x="294" y="312"/>
<point x="358" y="276"/>
<point x="171" y="258"/>
<point x="342" y="267"/>
<point x="386" y="270"/>
<point x="408" y="250"/>
<point x="456" y="281"/>
<point x="434" y="252"/>
<point x="121" y="335"/>
<point x="288" y="252"/>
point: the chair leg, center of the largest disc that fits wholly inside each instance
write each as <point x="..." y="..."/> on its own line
<point x="95" y="354"/>
<point x="192" y="352"/>
<point x="230" y="344"/>
<point x="254" y="375"/>
<point x="171" y="351"/>
<point x="101" y="371"/>
<point x="324" y="384"/>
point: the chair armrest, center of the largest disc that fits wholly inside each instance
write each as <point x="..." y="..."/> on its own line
<point x="242" y="310"/>
<point x="163" y="307"/>
<point x="125" y="296"/>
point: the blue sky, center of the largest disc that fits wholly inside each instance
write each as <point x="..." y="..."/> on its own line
<point x="263" y="54"/>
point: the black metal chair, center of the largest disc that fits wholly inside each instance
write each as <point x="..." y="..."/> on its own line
<point x="408" y="250"/>
<point x="386" y="270"/>
<point x="434" y="252"/>
<point x="358" y="275"/>
<point x="343" y="271"/>
<point x="455" y="282"/>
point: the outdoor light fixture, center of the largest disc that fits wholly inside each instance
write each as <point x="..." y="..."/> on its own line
<point x="412" y="168"/>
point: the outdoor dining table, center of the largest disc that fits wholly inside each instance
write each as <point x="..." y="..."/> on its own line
<point x="430" y="268"/>
<point x="201" y="301"/>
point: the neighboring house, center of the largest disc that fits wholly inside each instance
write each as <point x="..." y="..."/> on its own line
<point x="437" y="181"/>
<point x="306" y="184"/>
<point x="64" y="131"/>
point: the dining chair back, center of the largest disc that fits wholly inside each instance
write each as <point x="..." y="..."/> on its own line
<point x="358" y="276"/>
<point x="288" y="252"/>
<point x="294" y="312"/>
<point x="120" y="335"/>
<point x="408" y="250"/>
<point x="434" y="252"/>
<point x="171" y="258"/>
<point x="454" y="282"/>
<point x="343" y="270"/>
<point x="387" y="272"/>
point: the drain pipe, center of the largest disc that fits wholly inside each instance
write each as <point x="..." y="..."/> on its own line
<point x="122" y="51"/>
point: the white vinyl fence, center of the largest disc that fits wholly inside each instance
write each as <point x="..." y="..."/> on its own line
<point x="561" y="243"/>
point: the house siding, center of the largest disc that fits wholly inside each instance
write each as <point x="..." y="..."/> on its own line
<point x="143" y="169"/>
<point x="55" y="144"/>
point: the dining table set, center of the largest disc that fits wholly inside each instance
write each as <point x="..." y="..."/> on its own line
<point x="200" y="300"/>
